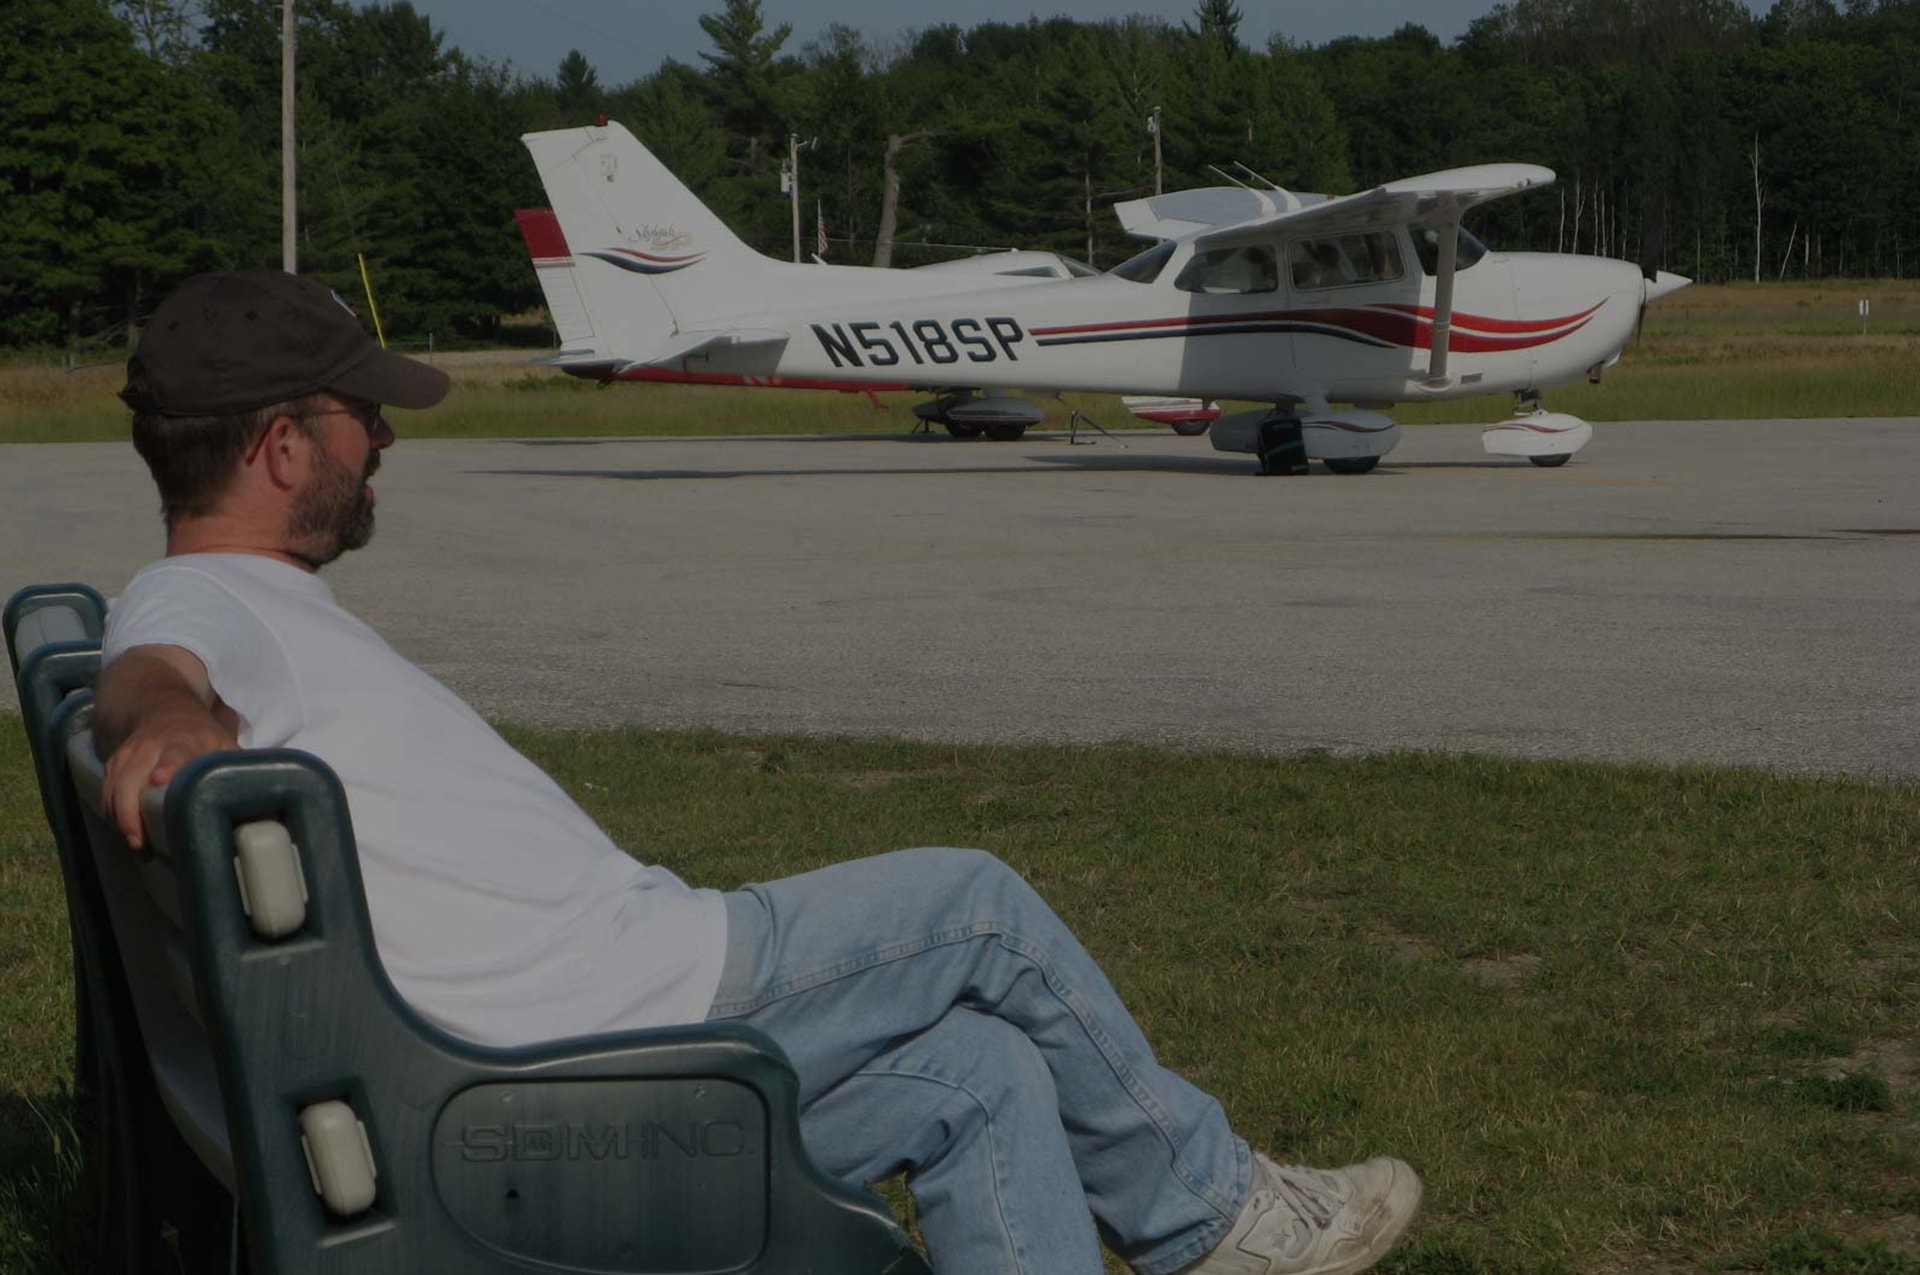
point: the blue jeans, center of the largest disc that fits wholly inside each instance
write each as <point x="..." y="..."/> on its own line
<point x="944" y="1022"/>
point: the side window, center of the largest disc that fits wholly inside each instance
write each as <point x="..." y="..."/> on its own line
<point x="1426" y="246"/>
<point x="1341" y="260"/>
<point x="1230" y="271"/>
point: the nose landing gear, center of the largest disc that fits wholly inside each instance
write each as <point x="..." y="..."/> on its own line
<point x="1548" y="439"/>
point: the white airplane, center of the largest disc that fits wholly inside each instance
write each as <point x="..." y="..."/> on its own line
<point x="1364" y="300"/>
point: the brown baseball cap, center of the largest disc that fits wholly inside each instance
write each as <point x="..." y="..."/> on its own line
<point x="226" y="343"/>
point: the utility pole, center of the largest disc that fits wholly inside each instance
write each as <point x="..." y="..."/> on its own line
<point x="1153" y="126"/>
<point x="790" y="182"/>
<point x="289" y="245"/>
<point x="793" y="189"/>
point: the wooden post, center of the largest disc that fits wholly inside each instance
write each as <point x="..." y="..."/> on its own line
<point x="793" y="189"/>
<point x="289" y="216"/>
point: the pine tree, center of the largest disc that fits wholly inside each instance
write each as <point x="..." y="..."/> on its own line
<point x="741" y="71"/>
<point x="576" y="89"/>
<point x="1219" y="24"/>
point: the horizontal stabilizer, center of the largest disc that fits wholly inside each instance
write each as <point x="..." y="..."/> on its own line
<point x="589" y="364"/>
<point x="685" y="345"/>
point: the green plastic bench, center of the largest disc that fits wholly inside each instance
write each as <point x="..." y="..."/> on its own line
<point x="261" y="1098"/>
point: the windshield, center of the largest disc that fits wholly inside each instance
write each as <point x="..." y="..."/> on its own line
<point x="1146" y="267"/>
<point x="1426" y="244"/>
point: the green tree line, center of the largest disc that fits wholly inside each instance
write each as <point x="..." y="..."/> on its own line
<point x="139" y="139"/>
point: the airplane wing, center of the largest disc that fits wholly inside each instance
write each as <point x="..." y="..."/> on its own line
<point x="1181" y="212"/>
<point x="1435" y="197"/>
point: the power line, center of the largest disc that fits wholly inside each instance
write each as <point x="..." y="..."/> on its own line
<point x="598" y="34"/>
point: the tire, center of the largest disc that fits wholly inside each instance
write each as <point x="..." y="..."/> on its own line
<point x="1005" y="433"/>
<point x="959" y="430"/>
<point x="1190" y="429"/>
<point x="1551" y="462"/>
<point x="1351" y="464"/>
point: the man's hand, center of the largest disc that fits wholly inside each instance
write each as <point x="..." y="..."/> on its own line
<point x="154" y="711"/>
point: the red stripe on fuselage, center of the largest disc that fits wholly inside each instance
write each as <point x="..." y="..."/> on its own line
<point x="1405" y="329"/>
<point x="1384" y="321"/>
<point x="1408" y="326"/>
<point x="1485" y="324"/>
<point x="674" y="376"/>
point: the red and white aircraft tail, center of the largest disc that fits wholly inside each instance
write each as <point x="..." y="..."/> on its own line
<point x="554" y="267"/>
<point x="619" y="209"/>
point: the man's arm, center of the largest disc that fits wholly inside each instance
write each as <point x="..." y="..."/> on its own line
<point x="154" y="711"/>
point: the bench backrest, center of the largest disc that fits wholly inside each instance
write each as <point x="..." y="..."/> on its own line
<point x="355" y="1136"/>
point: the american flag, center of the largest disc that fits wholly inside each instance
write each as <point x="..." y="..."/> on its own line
<point x="819" y="230"/>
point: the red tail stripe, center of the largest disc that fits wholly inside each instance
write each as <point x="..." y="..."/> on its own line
<point x="541" y="229"/>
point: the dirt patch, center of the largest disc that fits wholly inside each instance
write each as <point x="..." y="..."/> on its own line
<point x="871" y="780"/>
<point x="1895" y="1061"/>
<point x="1901" y="1233"/>
<point x="1501" y="971"/>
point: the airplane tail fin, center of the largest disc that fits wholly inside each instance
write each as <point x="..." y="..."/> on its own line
<point x="649" y="258"/>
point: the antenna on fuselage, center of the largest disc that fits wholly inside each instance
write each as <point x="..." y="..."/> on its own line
<point x="1262" y="178"/>
<point x="1226" y="176"/>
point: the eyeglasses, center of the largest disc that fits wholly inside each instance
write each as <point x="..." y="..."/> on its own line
<point x="368" y="414"/>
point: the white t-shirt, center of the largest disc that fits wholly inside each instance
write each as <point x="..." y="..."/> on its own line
<point x="501" y="911"/>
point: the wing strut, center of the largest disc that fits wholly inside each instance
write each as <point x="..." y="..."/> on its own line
<point x="1443" y="301"/>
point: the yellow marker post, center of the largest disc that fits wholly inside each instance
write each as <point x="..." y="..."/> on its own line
<point x="367" y="283"/>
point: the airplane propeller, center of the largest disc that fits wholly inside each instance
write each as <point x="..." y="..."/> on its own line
<point x="1653" y="251"/>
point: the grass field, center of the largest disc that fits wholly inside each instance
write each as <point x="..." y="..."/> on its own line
<point x="1623" y="1019"/>
<point x="1725" y="352"/>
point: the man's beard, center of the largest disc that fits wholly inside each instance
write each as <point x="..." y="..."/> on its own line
<point x="335" y="514"/>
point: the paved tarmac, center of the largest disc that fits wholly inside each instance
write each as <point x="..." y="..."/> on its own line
<point x="1719" y="592"/>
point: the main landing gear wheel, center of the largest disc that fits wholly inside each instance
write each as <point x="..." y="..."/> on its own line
<point x="1190" y="429"/>
<point x="1354" y="464"/>
<point x="1006" y="433"/>
<point x="959" y="430"/>
<point x="1551" y="462"/>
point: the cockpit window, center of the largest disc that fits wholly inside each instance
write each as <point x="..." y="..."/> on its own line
<point x="1145" y="267"/>
<point x="1426" y="245"/>
<point x="1230" y="271"/>
<point x="1341" y="260"/>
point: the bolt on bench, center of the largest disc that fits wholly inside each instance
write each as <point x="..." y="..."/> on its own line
<point x="258" y="1097"/>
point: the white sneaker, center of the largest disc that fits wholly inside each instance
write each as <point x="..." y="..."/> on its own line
<point x="1301" y="1221"/>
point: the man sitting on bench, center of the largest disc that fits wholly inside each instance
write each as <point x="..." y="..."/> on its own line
<point x="942" y="1020"/>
